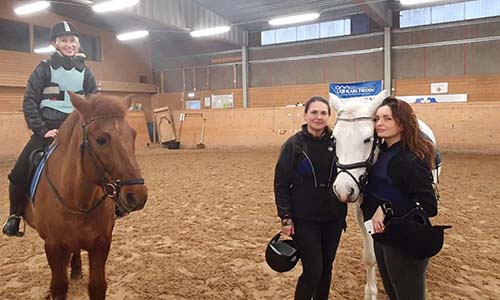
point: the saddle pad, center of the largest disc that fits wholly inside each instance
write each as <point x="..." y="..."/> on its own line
<point x="39" y="169"/>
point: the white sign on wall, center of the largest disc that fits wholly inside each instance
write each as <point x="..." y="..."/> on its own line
<point x="207" y="101"/>
<point x="439" y="88"/>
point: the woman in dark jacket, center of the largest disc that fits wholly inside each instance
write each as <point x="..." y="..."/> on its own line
<point x="46" y="105"/>
<point x="399" y="180"/>
<point x="306" y="204"/>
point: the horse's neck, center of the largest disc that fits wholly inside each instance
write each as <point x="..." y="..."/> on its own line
<point x="67" y="174"/>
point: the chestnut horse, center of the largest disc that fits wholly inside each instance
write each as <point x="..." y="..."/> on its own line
<point x="92" y="169"/>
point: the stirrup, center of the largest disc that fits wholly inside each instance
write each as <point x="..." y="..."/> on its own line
<point x="18" y="233"/>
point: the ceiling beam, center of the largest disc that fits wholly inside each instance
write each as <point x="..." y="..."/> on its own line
<point x="379" y="12"/>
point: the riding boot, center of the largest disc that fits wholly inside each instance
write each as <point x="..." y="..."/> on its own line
<point x="302" y="292"/>
<point x="17" y="202"/>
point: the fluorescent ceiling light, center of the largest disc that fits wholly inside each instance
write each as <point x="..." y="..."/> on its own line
<point x="210" y="31"/>
<point x="190" y="94"/>
<point x="32" y="8"/>
<point x="47" y="49"/>
<point x="294" y="19"/>
<point x="132" y="35"/>
<point x="415" y="2"/>
<point x="113" y="5"/>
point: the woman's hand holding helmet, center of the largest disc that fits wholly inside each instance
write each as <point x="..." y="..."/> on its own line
<point x="287" y="227"/>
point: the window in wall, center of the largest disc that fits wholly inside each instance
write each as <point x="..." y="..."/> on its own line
<point x="449" y="13"/>
<point x="42" y="38"/>
<point x="14" y="36"/>
<point x="267" y="37"/>
<point x="306" y="32"/>
<point x="91" y="46"/>
<point x="285" y="35"/>
<point x="335" y="28"/>
<point x="481" y="9"/>
<point x="415" y="17"/>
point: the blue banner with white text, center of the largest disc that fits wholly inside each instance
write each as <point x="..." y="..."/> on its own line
<point x="363" y="90"/>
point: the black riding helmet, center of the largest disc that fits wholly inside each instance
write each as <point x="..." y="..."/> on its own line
<point x="63" y="28"/>
<point x="281" y="255"/>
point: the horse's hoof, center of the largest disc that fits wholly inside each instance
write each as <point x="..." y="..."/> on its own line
<point x="76" y="275"/>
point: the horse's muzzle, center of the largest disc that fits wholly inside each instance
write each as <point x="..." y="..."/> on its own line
<point x="345" y="196"/>
<point x="134" y="197"/>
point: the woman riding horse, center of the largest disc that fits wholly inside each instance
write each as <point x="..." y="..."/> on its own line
<point x="46" y="105"/>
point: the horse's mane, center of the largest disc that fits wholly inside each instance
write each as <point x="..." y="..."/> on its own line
<point x="98" y="105"/>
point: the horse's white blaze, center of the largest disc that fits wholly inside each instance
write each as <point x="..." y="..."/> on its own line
<point x="350" y="137"/>
<point x="356" y="152"/>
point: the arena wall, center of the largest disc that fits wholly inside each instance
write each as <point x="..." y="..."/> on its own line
<point x="458" y="127"/>
<point x="17" y="134"/>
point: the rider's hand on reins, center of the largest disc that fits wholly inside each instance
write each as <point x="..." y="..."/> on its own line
<point x="51" y="133"/>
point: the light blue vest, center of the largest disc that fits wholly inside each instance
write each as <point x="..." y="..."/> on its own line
<point x="68" y="80"/>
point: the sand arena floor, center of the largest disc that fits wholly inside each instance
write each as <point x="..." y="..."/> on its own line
<point x="210" y="213"/>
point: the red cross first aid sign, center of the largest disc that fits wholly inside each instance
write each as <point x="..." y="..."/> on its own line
<point x="439" y="88"/>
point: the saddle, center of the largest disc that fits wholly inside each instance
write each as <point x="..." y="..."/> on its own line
<point x="37" y="160"/>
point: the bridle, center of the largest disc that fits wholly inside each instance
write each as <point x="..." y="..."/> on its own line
<point x="110" y="188"/>
<point x="367" y="164"/>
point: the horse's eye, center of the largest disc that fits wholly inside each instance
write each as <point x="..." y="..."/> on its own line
<point x="101" y="140"/>
<point x="367" y="140"/>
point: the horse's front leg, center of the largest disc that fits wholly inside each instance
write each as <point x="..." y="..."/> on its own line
<point x="76" y="266"/>
<point x="58" y="258"/>
<point x="368" y="257"/>
<point x="97" y="278"/>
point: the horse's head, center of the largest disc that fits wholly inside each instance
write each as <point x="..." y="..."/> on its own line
<point x="108" y="149"/>
<point x="355" y="144"/>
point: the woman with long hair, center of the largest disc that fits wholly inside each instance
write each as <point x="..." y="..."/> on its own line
<point x="399" y="181"/>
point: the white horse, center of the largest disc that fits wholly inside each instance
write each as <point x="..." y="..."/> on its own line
<point x="356" y="149"/>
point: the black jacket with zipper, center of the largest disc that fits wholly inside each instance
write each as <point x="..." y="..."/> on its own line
<point x="303" y="178"/>
<point x="40" y="78"/>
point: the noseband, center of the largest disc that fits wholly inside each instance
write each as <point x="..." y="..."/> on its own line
<point x="367" y="164"/>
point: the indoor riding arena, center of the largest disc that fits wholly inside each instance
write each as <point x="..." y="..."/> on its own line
<point x="211" y="113"/>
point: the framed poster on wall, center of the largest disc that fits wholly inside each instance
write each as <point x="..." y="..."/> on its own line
<point x="222" y="101"/>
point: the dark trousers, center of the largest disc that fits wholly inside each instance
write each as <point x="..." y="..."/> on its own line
<point x="403" y="276"/>
<point x="318" y="242"/>
<point x="19" y="174"/>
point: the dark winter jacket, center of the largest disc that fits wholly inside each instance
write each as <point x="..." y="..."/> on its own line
<point x="410" y="178"/>
<point x="40" y="122"/>
<point x="303" y="178"/>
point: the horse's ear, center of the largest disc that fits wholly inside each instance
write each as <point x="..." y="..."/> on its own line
<point x="335" y="102"/>
<point x="377" y="101"/>
<point x="79" y="102"/>
<point x="128" y="100"/>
